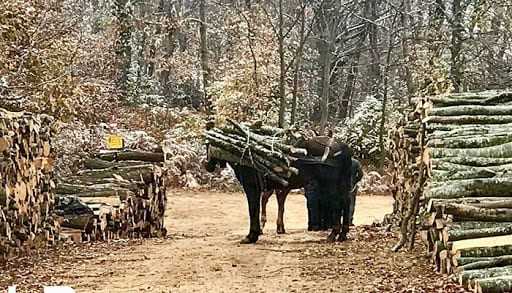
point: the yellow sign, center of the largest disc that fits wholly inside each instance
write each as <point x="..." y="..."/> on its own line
<point x="115" y="142"/>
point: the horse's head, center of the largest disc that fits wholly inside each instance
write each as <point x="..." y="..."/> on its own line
<point x="212" y="162"/>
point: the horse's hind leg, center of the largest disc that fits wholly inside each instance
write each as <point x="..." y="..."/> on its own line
<point x="346" y="207"/>
<point x="281" y="199"/>
<point x="264" y="200"/>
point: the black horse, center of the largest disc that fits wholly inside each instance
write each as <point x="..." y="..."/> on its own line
<point x="333" y="176"/>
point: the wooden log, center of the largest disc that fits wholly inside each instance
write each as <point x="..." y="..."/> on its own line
<point x="451" y="167"/>
<point x="461" y="262"/>
<point x="490" y="99"/>
<point x="466" y="276"/>
<point x="121" y="193"/>
<point x="68" y="188"/>
<point x="488" y="251"/>
<point x="470" y="225"/>
<point x="132" y="156"/>
<point x="476" y="141"/>
<point x="443" y="176"/>
<point x="469" y="119"/>
<point x="462" y="211"/>
<point x="437" y="203"/>
<point x="473" y="161"/>
<point x="452" y="132"/>
<point x="480" y="187"/>
<point x="496" y="284"/>
<point x="498" y="151"/>
<point x="450" y="235"/>
<point x="477" y="263"/>
<point x="471" y="110"/>
<point x="95" y="163"/>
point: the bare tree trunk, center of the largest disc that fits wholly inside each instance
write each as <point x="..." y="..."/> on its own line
<point x="373" y="35"/>
<point x="456" y="46"/>
<point x="204" y="53"/>
<point x="405" y="20"/>
<point x="298" y="61"/>
<point x="282" y="68"/>
<point x="326" y="82"/>
<point x="122" y="12"/>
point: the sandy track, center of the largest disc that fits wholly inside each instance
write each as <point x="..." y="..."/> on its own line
<point x="203" y="255"/>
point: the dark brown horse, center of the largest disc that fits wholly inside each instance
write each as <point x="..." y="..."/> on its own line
<point x="333" y="176"/>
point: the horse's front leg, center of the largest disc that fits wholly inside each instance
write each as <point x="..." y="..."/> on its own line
<point x="281" y="199"/>
<point x="253" y="200"/>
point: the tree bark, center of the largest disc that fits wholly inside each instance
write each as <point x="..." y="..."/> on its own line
<point x="482" y="187"/>
<point x="461" y="211"/>
<point x="467" y="276"/>
<point x="282" y="69"/>
<point x="478" y="263"/>
<point x="502" y="110"/>
<point x="491" y="251"/>
<point x="498" y="151"/>
<point x="204" y="52"/>
<point x="450" y="235"/>
<point x="132" y="156"/>
<point x="496" y="284"/>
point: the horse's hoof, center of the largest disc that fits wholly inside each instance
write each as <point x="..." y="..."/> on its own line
<point x="248" y="240"/>
<point x="331" y="238"/>
<point x="342" y="237"/>
<point x="281" y="231"/>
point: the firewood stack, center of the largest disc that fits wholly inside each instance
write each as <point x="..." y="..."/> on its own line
<point x="466" y="201"/>
<point x="26" y="190"/>
<point x="126" y="192"/>
<point x="265" y="148"/>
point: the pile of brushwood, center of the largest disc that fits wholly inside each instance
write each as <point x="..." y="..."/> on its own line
<point x="452" y="164"/>
<point x="119" y="194"/>
<point x="267" y="149"/>
<point x="26" y="183"/>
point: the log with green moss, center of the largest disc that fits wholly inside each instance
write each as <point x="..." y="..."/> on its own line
<point x="473" y="141"/>
<point x="472" y="225"/>
<point x="491" y="285"/>
<point x="488" y="202"/>
<point x="478" y="263"/>
<point x="466" y="276"/>
<point x="470" y="119"/>
<point x="461" y="262"/>
<point x="132" y="156"/>
<point x="487" y="251"/>
<point x="452" y="167"/>
<point x="473" y="161"/>
<point x="450" y="234"/>
<point x="498" y="151"/>
<point x="480" y="187"/>
<point x="483" y="98"/>
<point x="462" y="211"/>
<point x="471" y="173"/>
<point x="472" y="110"/>
<point x="95" y="163"/>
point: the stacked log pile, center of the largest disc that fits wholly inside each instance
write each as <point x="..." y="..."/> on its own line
<point x="27" y="187"/>
<point x="465" y="150"/>
<point x="136" y="184"/>
<point x="265" y="148"/>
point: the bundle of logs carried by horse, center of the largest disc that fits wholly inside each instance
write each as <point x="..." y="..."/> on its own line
<point x="452" y="160"/>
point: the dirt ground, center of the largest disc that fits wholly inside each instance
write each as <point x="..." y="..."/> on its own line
<point x="202" y="254"/>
